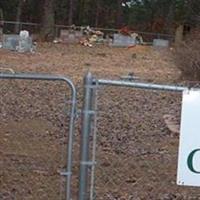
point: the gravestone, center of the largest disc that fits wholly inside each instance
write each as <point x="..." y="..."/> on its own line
<point x="64" y="34"/>
<point x="10" y="42"/>
<point x="161" y="43"/>
<point x="21" y="43"/>
<point x="25" y="42"/>
<point x="120" y="40"/>
<point x="70" y="36"/>
<point x="179" y="34"/>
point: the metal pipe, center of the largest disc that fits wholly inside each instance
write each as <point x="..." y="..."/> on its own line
<point x="149" y="86"/>
<point x="47" y="77"/>
<point x="94" y="144"/>
<point x="85" y="133"/>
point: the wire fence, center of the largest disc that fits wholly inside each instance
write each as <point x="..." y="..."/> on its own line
<point x="13" y="27"/>
<point x="127" y="148"/>
<point x="133" y="150"/>
<point x="136" y="153"/>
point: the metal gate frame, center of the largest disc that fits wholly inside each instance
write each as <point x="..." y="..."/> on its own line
<point x="86" y="188"/>
<point x="88" y="113"/>
<point x="46" y="77"/>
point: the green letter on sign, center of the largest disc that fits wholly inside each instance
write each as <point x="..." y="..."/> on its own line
<point x="190" y="161"/>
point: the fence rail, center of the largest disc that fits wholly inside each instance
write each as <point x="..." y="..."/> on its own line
<point x="9" y="27"/>
<point x="149" y="86"/>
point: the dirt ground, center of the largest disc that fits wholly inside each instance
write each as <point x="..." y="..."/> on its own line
<point x="136" y="152"/>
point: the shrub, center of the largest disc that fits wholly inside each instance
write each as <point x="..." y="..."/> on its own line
<point x="188" y="57"/>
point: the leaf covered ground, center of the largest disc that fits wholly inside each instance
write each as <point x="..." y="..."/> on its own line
<point x="136" y="152"/>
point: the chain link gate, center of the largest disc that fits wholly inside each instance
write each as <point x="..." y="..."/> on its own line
<point x="15" y="160"/>
<point x="107" y="173"/>
<point x="117" y="164"/>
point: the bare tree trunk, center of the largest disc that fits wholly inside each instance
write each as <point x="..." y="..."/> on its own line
<point x="170" y="18"/>
<point x="48" y="22"/>
<point x="18" y="16"/>
<point x="1" y="24"/>
<point x="71" y="12"/>
<point x="81" y="11"/>
<point x="119" y="13"/>
<point x="97" y="13"/>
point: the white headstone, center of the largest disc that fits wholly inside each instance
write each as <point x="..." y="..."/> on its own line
<point x="24" y="34"/>
<point x="25" y="42"/>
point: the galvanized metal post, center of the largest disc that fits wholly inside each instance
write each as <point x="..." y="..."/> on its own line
<point x="87" y="113"/>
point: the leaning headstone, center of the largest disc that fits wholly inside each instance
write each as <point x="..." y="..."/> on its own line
<point x="161" y="43"/>
<point x="120" y="40"/>
<point x="179" y="35"/>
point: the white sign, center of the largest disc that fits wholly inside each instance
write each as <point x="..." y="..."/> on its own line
<point x="189" y="146"/>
